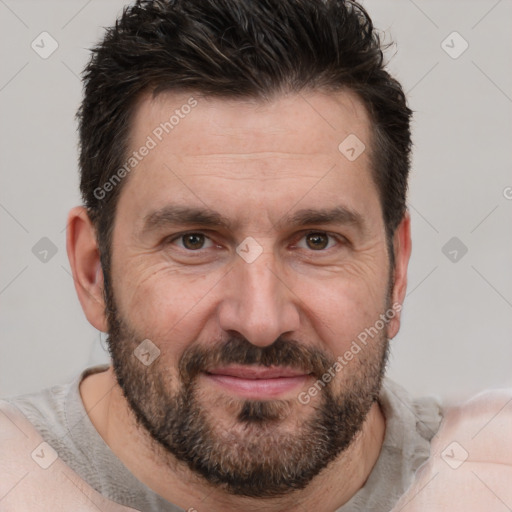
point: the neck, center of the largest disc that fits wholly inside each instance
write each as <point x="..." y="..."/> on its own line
<point x="113" y="419"/>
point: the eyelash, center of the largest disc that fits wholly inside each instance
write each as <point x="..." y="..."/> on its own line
<point x="338" y="238"/>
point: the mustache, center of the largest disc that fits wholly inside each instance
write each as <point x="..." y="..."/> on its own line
<point x="238" y="350"/>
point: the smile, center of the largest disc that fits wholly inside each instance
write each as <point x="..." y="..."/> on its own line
<point x="258" y="382"/>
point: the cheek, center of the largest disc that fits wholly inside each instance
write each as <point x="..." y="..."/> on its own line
<point x="163" y="305"/>
<point x="343" y="308"/>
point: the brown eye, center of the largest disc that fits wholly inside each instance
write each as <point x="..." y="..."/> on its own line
<point x="317" y="241"/>
<point x="193" y="241"/>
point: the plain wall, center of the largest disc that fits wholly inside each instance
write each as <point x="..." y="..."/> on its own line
<point x="457" y="320"/>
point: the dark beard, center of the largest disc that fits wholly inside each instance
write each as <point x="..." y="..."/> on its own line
<point x="257" y="457"/>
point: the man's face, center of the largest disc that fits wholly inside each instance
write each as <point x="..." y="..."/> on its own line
<point x="251" y="252"/>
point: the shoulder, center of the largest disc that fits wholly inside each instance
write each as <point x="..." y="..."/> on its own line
<point x="34" y="477"/>
<point x="484" y="423"/>
<point x="18" y="444"/>
<point x="16" y="432"/>
<point x="470" y="463"/>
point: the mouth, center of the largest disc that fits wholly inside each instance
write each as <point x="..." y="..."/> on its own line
<point x="258" y="382"/>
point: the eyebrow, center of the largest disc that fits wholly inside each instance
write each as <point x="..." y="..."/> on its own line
<point x="341" y="215"/>
<point x="182" y="215"/>
<point x="179" y="215"/>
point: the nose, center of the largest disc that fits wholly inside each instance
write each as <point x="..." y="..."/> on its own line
<point x="258" y="303"/>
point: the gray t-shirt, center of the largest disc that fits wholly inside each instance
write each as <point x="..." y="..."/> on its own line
<point x="59" y="415"/>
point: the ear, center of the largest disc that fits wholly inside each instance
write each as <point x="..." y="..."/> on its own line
<point x="402" y="247"/>
<point x="84" y="258"/>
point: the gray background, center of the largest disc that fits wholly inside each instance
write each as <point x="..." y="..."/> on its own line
<point x="457" y="324"/>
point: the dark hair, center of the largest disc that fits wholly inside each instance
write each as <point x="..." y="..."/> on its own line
<point x="237" y="49"/>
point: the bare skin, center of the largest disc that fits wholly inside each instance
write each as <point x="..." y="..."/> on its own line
<point x="256" y="164"/>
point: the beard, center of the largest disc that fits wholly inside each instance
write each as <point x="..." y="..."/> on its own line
<point x="266" y="448"/>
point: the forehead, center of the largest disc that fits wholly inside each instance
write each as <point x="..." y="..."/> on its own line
<point x="253" y="153"/>
<point x="310" y="121"/>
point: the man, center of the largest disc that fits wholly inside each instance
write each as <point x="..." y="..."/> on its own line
<point x="244" y="242"/>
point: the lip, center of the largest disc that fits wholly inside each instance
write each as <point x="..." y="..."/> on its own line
<point x="258" y="382"/>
